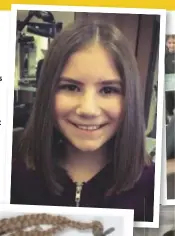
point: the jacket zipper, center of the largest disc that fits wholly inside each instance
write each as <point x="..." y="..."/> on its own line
<point x="78" y="192"/>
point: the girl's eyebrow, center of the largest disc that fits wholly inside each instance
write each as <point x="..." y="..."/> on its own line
<point x="70" y="80"/>
<point x="111" y="82"/>
<point x="101" y="82"/>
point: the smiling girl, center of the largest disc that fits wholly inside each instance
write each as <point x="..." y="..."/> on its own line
<point x="84" y="144"/>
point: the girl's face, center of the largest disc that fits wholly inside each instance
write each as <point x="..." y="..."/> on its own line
<point x="89" y="100"/>
<point x="171" y="44"/>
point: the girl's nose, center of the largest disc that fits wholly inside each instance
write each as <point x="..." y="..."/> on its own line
<point x="88" y="105"/>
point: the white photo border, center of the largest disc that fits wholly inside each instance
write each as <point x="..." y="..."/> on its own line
<point x="162" y="14"/>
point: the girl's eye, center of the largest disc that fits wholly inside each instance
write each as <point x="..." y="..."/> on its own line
<point x="110" y="90"/>
<point x="69" y="87"/>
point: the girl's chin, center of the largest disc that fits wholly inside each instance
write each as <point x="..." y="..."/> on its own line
<point x="86" y="148"/>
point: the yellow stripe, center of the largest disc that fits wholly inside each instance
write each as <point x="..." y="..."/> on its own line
<point x="169" y="5"/>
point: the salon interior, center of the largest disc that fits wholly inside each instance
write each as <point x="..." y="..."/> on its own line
<point x="36" y="30"/>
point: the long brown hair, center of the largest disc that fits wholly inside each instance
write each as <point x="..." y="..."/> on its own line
<point x="128" y="146"/>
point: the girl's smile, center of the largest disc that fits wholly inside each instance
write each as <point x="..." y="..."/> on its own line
<point x="84" y="129"/>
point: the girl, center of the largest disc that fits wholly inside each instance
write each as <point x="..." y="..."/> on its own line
<point x="170" y="43"/>
<point x="84" y="144"/>
<point x="170" y="54"/>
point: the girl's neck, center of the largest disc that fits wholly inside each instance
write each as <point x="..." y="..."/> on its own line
<point x="82" y="166"/>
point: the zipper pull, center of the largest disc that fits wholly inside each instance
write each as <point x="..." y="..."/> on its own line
<point x="78" y="191"/>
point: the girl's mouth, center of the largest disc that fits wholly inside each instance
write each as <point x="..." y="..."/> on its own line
<point x="88" y="127"/>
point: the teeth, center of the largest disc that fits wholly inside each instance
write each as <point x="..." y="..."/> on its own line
<point x="93" y="127"/>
